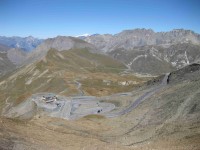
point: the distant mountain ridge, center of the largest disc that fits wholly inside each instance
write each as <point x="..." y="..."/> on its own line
<point x="60" y="43"/>
<point x="147" y="52"/>
<point x="26" y="43"/>
<point x="129" y="39"/>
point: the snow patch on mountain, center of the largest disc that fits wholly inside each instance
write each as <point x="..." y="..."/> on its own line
<point x="83" y="35"/>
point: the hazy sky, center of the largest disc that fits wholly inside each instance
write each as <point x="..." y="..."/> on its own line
<point x="49" y="18"/>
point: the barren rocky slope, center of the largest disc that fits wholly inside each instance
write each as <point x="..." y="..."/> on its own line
<point x="17" y="56"/>
<point x="147" y="52"/>
<point x="5" y="64"/>
<point x="128" y="39"/>
<point x="158" y="59"/>
<point x="10" y="58"/>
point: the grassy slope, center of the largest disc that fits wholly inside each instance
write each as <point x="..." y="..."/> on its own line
<point x="57" y="72"/>
<point x="5" y="64"/>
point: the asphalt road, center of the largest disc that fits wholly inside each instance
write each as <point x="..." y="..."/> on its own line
<point x="140" y="99"/>
<point x="81" y="93"/>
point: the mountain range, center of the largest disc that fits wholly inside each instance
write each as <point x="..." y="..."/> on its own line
<point x="128" y="39"/>
<point x="27" y="43"/>
<point x="143" y="51"/>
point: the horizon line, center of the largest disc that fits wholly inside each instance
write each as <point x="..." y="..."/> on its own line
<point x="88" y="34"/>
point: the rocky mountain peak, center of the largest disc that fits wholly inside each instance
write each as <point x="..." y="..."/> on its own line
<point x="129" y="39"/>
<point x="137" y="31"/>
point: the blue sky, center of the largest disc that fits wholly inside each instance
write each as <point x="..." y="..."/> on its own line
<point x="49" y="18"/>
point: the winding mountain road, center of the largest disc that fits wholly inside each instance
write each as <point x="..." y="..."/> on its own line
<point x="140" y="99"/>
<point x="81" y="93"/>
<point x="76" y="107"/>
